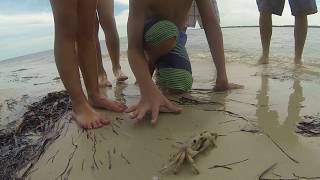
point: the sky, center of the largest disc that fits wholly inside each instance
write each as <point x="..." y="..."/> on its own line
<point x="26" y="26"/>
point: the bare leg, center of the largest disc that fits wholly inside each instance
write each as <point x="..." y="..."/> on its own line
<point x="265" y="33"/>
<point x="88" y="57"/>
<point x="65" y="18"/>
<point x="102" y="75"/>
<point x="105" y="10"/>
<point x="300" y="34"/>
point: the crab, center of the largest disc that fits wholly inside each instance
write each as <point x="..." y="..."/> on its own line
<point x="188" y="151"/>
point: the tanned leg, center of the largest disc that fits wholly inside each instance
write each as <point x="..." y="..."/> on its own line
<point x="102" y="75"/>
<point x="88" y="57"/>
<point x="300" y="34"/>
<point x="66" y="25"/>
<point x="265" y="33"/>
<point x="106" y="17"/>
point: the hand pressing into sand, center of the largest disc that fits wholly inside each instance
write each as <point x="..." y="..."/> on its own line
<point x="151" y="102"/>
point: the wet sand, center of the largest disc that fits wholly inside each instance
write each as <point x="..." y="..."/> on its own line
<point x="256" y="124"/>
<point x="261" y="131"/>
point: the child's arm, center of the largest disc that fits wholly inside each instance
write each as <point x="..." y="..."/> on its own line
<point x="215" y="40"/>
<point x="151" y="97"/>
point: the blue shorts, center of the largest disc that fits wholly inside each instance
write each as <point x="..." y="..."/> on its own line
<point x="298" y="7"/>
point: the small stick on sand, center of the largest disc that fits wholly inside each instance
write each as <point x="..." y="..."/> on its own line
<point x="116" y="125"/>
<point x="119" y="120"/>
<point x="114" y="131"/>
<point x="82" y="166"/>
<point x="228" y="112"/>
<point x="303" y="177"/>
<point x="109" y="160"/>
<point x="261" y="177"/>
<point x="251" y="104"/>
<point x="126" y="159"/>
<point x="281" y="149"/>
<point x="226" y="165"/>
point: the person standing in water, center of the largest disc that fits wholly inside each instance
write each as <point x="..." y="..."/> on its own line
<point x="300" y="9"/>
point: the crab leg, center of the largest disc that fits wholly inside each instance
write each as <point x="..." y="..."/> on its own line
<point x="181" y="160"/>
<point x="172" y="161"/>
<point x="191" y="161"/>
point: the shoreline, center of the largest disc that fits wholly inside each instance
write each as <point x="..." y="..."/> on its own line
<point x="124" y="37"/>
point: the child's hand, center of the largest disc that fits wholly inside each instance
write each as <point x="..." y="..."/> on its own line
<point x="151" y="102"/>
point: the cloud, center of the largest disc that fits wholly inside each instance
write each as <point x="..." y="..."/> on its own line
<point x="125" y="2"/>
<point x="26" y="19"/>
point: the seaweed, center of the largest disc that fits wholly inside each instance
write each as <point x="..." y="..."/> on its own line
<point x="23" y="144"/>
<point x="309" y="126"/>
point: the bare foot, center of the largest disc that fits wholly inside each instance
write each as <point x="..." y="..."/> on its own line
<point x="87" y="118"/>
<point x="263" y="60"/>
<point x="103" y="80"/>
<point x="119" y="74"/>
<point x="103" y="102"/>
<point x="226" y="87"/>
<point x="298" y="61"/>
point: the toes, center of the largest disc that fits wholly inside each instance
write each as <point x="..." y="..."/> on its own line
<point x="131" y="109"/>
<point x="104" y="121"/>
<point x="94" y="124"/>
<point x="133" y="114"/>
<point x="120" y="105"/>
<point x="88" y="125"/>
<point x="123" y="106"/>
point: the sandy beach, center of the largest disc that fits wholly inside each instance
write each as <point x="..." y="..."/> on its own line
<point x="256" y="125"/>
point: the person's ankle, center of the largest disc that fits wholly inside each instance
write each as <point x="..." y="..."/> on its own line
<point x="78" y="106"/>
<point x="94" y="95"/>
<point x="264" y="59"/>
<point x="298" y="60"/>
<point x="116" y="67"/>
<point x="222" y="80"/>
